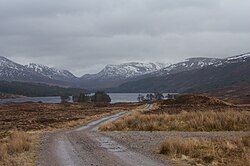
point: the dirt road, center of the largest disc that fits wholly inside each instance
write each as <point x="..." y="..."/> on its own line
<point x="87" y="146"/>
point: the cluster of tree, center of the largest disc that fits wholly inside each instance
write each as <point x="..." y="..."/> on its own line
<point x="156" y="96"/>
<point x="65" y="98"/>
<point x="150" y="97"/>
<point x="99" y="96"/>
<point x="36" y="89"/>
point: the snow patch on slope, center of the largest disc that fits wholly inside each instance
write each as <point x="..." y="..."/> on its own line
<point x="50" y="72"/>
<point x="126" y="70"/>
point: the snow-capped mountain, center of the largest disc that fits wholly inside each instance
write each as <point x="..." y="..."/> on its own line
<point x="114" y="75"/>
<point x="198" y="63"/>
<point x="188" y="64"/>
<point x="208" y="76"/>
<point x="233" y="59"/>
<point x="238" y="58"/>
<point x="51" y="72"/>
<point x="11" y="71"/>
<point x="125" y="71"/>
<point x="4" y="62"/>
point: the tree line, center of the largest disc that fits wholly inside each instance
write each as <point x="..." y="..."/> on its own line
<point x="99" y="96"/>
<point x="36" y="89"/>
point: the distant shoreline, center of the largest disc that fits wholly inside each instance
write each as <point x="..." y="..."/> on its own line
<point x="10" y="96"/>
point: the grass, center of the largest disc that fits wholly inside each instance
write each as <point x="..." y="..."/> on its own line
<point x="18" y="142"/>
<point x="40" y="116"/>
<point x="32" y="119"/>
<point x="185" y="121"/>
<point x="19" y="147"/>
<point x="16" y="149"/>
<point x="221" y="152"/>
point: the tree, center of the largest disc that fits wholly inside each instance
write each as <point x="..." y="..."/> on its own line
<point x="82" y="97"/>
<point x="140" y="98"/>
<point x="150" y="97"/>
<point x="101" y="96"/>
<point x="158" y="96"/>
<point x="64" y="98"/>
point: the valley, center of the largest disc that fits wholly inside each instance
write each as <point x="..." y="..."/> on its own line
<point x="194" y="75"/>
<point x="127" y="133"/>
<point x="124" y="83"/>
<point x="211" y="107"/>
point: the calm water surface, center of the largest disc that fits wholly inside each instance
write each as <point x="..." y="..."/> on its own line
<point x="115" y="98"/>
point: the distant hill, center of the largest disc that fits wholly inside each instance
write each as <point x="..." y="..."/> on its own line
<point x="51" y="72"/>
<point x="232" y="71"/>
<point x="11" y="71"/>
<point x="110" y="76"/>
<point x="192" y="74"/>
<point x="34" y="89"/>
<point x="114" y="75"/>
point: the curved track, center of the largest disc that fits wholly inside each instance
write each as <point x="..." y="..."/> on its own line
<point x="87" y="146"/>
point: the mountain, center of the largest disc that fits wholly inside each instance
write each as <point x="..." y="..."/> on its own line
<point x="111" y="75"/>
<point x="114" y="75"/>
<point x="188" y="64"/>
<point x="125" y="70"/>
<point x="232" y="71"/>
<point x="233" y="59"/>
<point x="51" y="72"/>
<point x="11" y="71"/>
<point x="132" y="77"/>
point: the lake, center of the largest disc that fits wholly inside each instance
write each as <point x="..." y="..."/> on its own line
<point x="115" y="98"/>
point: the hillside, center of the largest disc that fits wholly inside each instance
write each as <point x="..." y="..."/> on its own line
<point x="197" y="74"/>
<point x="230" y="72"/>
<point x="12" y="71"/>
<point x="114" y="75"/>
<point x="51" y="72"/>
<point x="34" y="90"/>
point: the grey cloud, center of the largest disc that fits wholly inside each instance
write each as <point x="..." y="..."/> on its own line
<point x="85" y="35"/>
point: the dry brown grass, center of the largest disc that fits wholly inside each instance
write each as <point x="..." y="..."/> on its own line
<point x="17" y="145"/>
<point x="18" y="142"/>
<point x="20" y="148"/>
<point x="221" y="152"/>
<point x="191" y="121"/>
<point x="40" y="116"/>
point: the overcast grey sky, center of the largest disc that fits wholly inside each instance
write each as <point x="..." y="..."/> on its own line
<point x="85" y="35"/>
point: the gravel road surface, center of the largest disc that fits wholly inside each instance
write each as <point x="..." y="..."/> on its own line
<point x="87" y="146"/>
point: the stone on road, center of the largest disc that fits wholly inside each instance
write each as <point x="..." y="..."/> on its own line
<point x="87" y="146"/>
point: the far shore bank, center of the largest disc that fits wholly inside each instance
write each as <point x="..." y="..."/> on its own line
<point x="10" y="96"/>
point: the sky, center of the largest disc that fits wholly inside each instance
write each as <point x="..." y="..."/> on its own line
<point x="85" y="35"/>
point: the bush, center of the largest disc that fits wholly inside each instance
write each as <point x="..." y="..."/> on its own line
<point x="101" y="97"/>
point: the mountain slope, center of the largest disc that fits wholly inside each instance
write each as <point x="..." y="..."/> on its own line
<point x="51" y="72"/>
<point x="227" y="72"/>
<point x="125" y="70"/>
<point x="188" y="64"/>
<point x="36" y="89"/>
<point x="11" y="71"/>
<point x="114" y="75"/>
